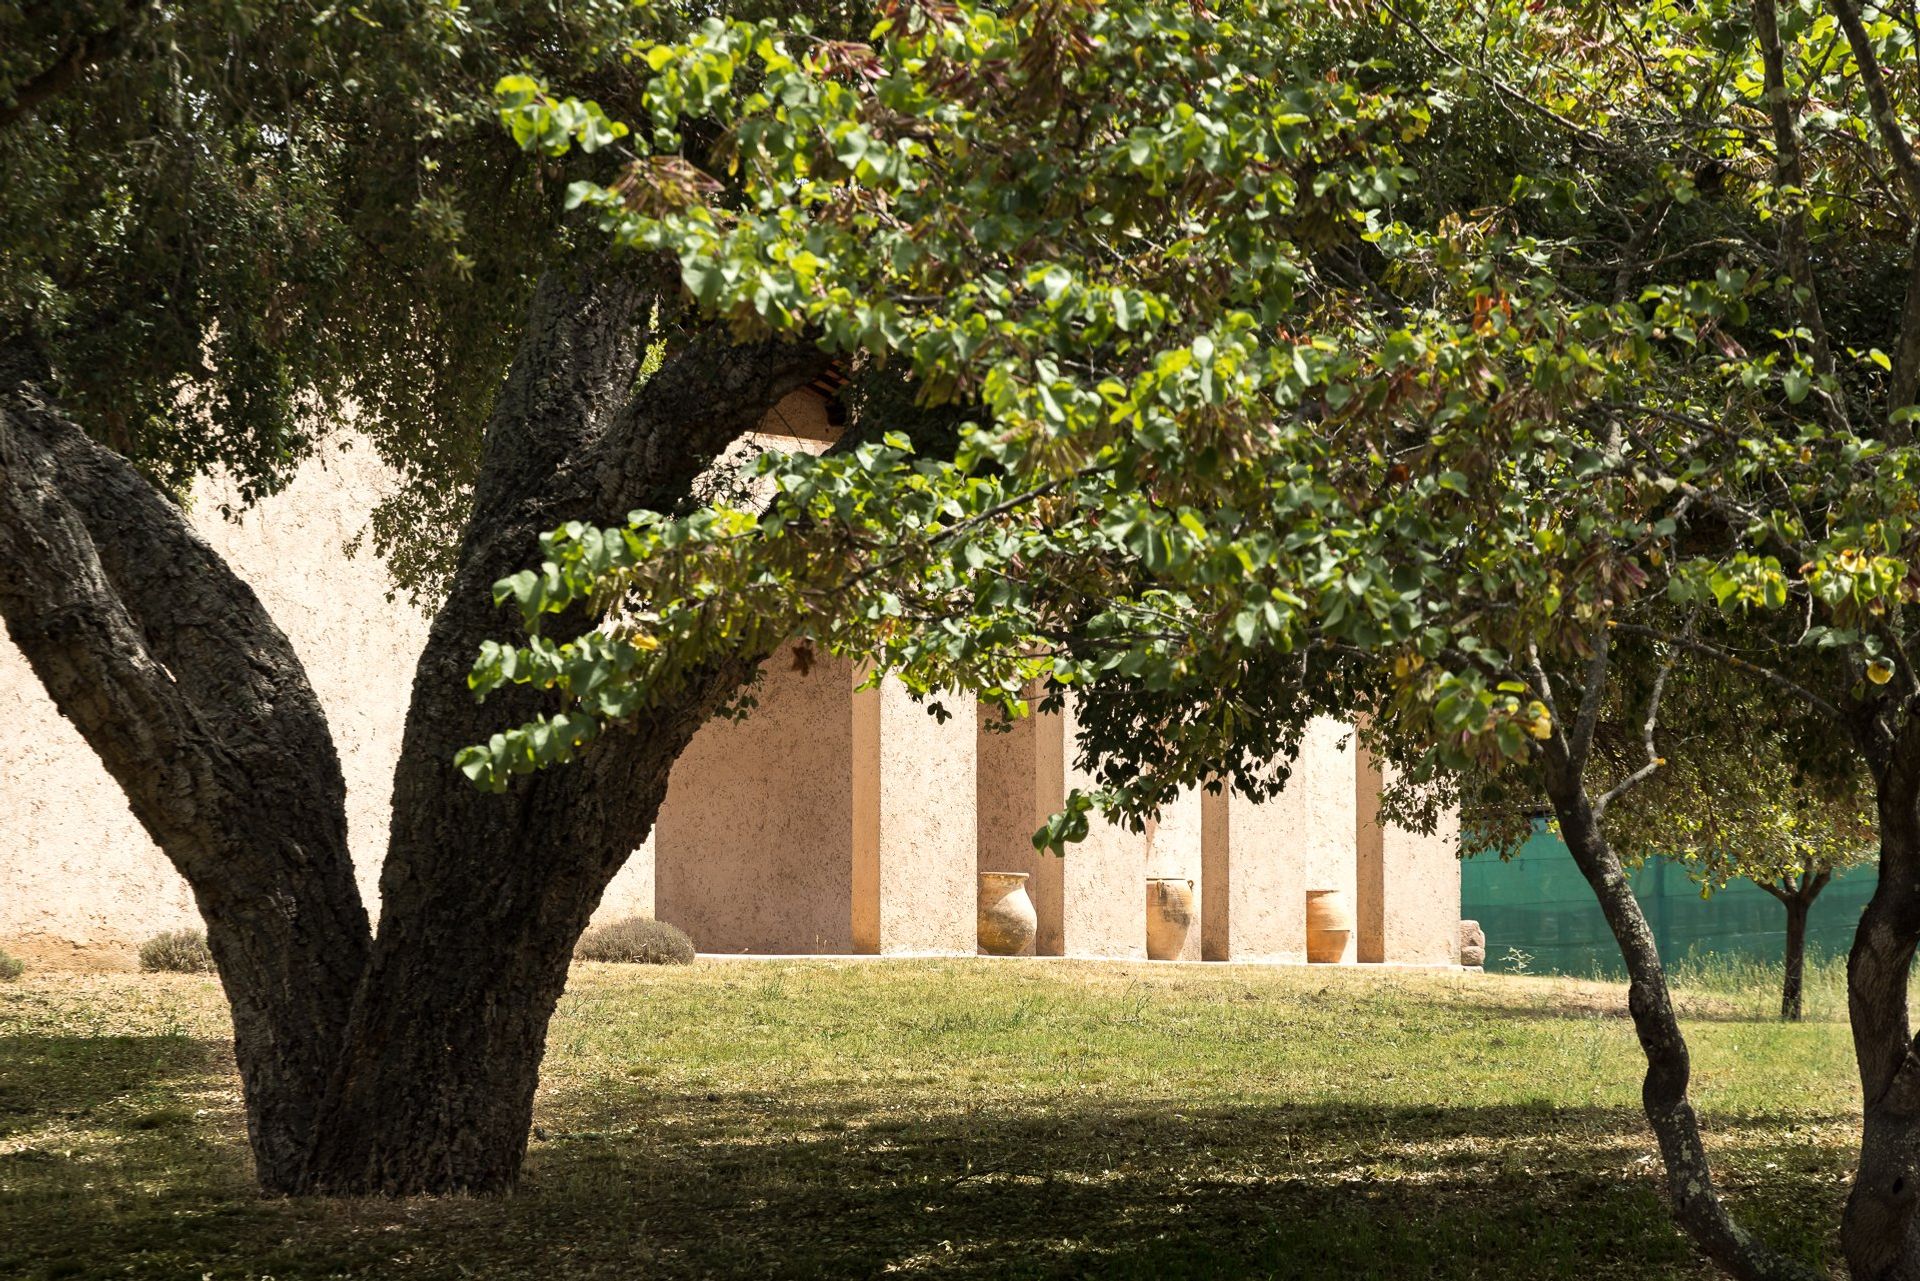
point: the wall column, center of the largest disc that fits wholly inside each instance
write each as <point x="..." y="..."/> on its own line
<point x="914" y="826"/>
<point x="1408" y="884"/>
<point x="1259" y="860"/>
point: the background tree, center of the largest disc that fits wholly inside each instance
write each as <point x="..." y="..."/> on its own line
<point x="1505" y="464"/>
<point x="1732" y="801"/>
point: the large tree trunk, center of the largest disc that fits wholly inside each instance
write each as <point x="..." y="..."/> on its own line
<point x="174" y="674"/>
<point x="1663" y="1092"/>
<point x="405" y="1063"/>
<point x="483" y="896"/>
<point x="1879" y="1231"/>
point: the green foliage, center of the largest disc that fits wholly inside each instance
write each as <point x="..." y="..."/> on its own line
<point x="1290" y="396"/>
<point x="239" y="225"/>
<point x="177" y="952"/>
<point x="637" y="940"/>
<point x="11" y="967"/>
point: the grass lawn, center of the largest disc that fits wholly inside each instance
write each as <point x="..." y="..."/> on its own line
<point x="959" y="1119"/>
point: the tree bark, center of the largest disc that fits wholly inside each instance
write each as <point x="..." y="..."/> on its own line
<point x="1879" y="1232"/>
<point x="1663" y="1093"/>
<point x="1795" y="961"/>
<point x="172" y="671"/>
<point x="484" y="896"/>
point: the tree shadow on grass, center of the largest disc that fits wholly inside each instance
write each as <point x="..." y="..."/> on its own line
<point x="628" y="1181"/>
<point x="1109" y="1189"/>
<point x="73" y="1078"/>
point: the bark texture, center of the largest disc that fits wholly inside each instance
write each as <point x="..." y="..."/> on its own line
<point x="1879" y="1231"/>
<point x="483" y="896"/>
<point x="174" y="674"/>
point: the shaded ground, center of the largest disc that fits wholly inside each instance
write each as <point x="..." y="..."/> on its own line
<point x="955" y="1119"/>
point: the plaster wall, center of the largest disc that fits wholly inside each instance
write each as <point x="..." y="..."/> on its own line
<point x="1409" y="882"/>
<point x="752" y="848"/>
<point x="1259" y="860"/>
<point x="77" y="871"/>
<point x="1104" y="891"/>
<point x="915" y="851"/>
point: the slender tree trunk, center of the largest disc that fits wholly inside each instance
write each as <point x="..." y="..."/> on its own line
<point x="484" y="896"/>
<point x="1795" y="959"/>
<point x="170" y="668"/>
<point x="1663" y="1092"/>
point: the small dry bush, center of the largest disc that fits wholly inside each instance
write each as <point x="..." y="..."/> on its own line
<point x="176" y="952"/>
<point x="636" y="941"/>
<point x="10" y="968"/>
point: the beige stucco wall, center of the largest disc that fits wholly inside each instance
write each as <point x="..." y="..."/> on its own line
<point x="915" y="856"/>
<point x="76" y="868"/>
<point x="1261" y="859"/>
<point x="1105" y="875"/>
<point x="1409" y="883"/>
<point x="752" y="849"/>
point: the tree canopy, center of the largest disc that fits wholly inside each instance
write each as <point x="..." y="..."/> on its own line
<point x="1465" y="366"/>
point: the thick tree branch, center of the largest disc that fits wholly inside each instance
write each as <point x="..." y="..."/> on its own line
<point x="198" y="707"/>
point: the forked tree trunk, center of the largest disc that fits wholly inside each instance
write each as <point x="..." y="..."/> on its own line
<point x="484" y="896"/>
<point x="405" y="1063"/>
<point x="170" y="668"/>
<point x="1796" y="895"/>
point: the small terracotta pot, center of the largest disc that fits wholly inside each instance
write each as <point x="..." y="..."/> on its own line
<point x="1007" y="921"/>
<point x="1169" y="916"/>
<point x="1329" y="926"/>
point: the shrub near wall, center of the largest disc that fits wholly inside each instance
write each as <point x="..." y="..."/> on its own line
<point x="176" y="952"/>
<point x="636" y="941"/>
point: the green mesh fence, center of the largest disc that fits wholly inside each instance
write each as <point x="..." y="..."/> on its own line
<point x="1538" y="903"/>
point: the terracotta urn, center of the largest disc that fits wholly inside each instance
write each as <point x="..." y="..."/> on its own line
<point x="1329" y="926"/>
<point x="1169" y="916"/>
<point x="1007" y="920"/>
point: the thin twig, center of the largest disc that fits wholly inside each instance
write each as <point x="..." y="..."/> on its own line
<point x="1739" y="664"/>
